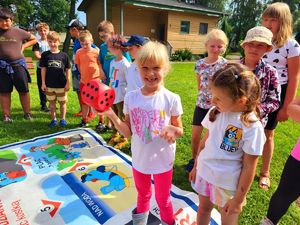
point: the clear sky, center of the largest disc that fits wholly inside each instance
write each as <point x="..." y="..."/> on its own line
<point x="81" y="15"/>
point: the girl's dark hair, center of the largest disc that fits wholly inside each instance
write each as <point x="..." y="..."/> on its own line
<point x="6" y="13"/>
<point x="239" y="82"/>
<point x="117" y="40"/>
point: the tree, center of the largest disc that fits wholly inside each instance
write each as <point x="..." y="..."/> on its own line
<point x="54" y="13"/>
<point x="213" y="4"/>
<point x="22" y="10"/>
<point x="72" y="15"/>
<point x="227" y="28"/>
<point x="245" y="15"/>
<point x="29" y="12"/>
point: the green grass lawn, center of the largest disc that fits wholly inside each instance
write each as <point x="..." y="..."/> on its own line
<point x="181" y="80"/>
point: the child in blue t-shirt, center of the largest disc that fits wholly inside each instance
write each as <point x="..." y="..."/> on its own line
<point x="105" y="31"/>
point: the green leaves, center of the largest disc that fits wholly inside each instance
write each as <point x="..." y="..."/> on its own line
<point x="28" y="13"/>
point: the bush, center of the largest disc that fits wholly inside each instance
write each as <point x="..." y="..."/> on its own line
<point x="182" y="55"/>
<point x="175" y="57"/>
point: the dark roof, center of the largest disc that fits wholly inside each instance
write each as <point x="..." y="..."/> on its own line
<point x="162" y="4"/>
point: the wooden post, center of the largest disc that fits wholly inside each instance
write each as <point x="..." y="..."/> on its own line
<point x="104" y="8"/>
<point x="122" y="19"/>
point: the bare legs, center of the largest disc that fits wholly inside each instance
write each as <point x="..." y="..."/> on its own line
<point x="5" y="99"/>
<point x="266" y="158"/>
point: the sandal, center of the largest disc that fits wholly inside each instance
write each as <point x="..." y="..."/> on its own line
<point x="264" y="182"/>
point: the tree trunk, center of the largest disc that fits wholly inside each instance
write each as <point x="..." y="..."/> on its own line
<point x="66" y="44"/>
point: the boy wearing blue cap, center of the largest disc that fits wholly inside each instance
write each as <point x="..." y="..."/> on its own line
<point x="133" y="78"/>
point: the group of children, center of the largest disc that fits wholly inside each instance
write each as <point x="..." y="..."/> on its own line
<point x="238" y="105"/>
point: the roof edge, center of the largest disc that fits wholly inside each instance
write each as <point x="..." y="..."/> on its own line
<point x="175" y="8"/>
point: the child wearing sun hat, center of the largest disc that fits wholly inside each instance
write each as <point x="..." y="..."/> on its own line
<point x="257" y="43"/>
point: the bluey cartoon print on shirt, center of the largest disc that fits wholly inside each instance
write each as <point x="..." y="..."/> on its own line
<point x="231" y="139"/>
<point x="148" y="124"/>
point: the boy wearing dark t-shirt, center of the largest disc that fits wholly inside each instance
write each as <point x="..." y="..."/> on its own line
<point x="55" y="78"/>
<point x="13" y="71"/>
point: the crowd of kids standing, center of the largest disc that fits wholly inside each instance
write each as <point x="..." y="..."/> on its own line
<point x="237" y="108"/>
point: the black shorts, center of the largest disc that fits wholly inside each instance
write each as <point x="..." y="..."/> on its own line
<point x="272" y="117"/>
<point x="199" y="115"/>
<point x="19" y="79"/>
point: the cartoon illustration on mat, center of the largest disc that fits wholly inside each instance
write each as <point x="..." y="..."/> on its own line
<point x="57" y="154"/>
<point x="10" y="171"/>
<point x="116" y="180"/>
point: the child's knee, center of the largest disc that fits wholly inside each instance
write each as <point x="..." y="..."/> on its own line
<point x="163" y="202"/>
<point x="204" y="209"/>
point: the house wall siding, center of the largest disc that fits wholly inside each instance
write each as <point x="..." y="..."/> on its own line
<point x="137" y="21"/>
<point x="194" y="41"/>
<point x="148" y="22"/>
<point x="94" y="15"/>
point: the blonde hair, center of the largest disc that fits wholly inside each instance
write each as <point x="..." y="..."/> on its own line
<point x="53" y="36"/>
<point x="280" y="11"/>
<point x="42" y="26"/>
<point x="217" y="34"/>
<point x="85" y="35"/>
<point x="156" y="52"/>
<point x="106" y="27"/>
<point x="239" y="82"/>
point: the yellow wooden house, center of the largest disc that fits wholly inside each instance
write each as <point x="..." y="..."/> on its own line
<point x="177" y="24"/>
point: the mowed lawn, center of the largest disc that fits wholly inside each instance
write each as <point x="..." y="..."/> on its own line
<point x="181" y="80"/>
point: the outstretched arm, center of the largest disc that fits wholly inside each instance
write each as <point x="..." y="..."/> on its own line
<point x="122" y="127"/>
<point x="173" y="131"/>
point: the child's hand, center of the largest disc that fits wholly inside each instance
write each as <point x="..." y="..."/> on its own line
<point x="102" y="75"/>
<point x="170" y="133"/>
<point x="44" y="88"/>
<point x="109" y="112"/>
<point x="232" y="206"/>
<point x="67" y="87"/>
<point x="192" y="174"/>
<point x="282" y="115"/>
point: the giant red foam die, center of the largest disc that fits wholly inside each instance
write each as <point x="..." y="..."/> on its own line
<point x="97" y="95"/>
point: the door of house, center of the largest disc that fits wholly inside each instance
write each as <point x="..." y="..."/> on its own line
<point x="161" y="32"/>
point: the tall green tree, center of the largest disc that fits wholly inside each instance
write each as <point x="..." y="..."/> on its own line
<point x="22" y="9"/>
<point x="213" y="4"/>
<point x="29" y="12"/>
<point x="227" y="28"/>
<point x="245" y="14"/>
<point x="72" y="15"/>
<point x="54" y="12"/>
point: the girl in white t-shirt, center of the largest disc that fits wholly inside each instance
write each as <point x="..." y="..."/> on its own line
<point x="215" y="44"/>
<point x="285" y="58"/>
<point x="228" y="153"/>
<point x="153" y="120"/>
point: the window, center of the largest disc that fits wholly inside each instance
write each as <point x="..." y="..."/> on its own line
<point x="185" y="27"/>
<point x="203" y="28"/>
